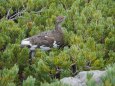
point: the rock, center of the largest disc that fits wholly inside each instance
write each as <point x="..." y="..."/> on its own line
<point x="81" y="78"/>
<point x="72" y="81"/>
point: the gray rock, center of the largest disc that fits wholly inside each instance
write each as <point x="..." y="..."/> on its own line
<point x="81" y="78"/>
<point x="72" y="81"/>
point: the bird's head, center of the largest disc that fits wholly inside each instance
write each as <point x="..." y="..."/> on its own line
<point x="60" y="19"/>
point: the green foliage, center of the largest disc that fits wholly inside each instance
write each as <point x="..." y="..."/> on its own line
<point x="110" y="77"/>
<point x="14" y="54"/>
<point x="89" y="36"/>
<point x="56" y="83"/>
<point x="8" y="76"/>
<point x="30" y="81"/>
<point x="90" y="81"/>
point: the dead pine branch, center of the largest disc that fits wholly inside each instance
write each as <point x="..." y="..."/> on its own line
<point x="16" y="15"/>
<point x="8" y="13"/>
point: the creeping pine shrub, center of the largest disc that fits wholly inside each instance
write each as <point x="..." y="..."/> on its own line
<point x="8" y="76"/>
<point x="14" y="54"/>
<point x="109" y="78"/>
<point x="56" y="83"/>
<point x="2" y="42"/>
<point x="30" y="81"/>
<point x="89" y="36"/>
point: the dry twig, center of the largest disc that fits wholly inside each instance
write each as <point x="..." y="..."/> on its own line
<point x="17" y="15"/>
<point x="8" y="13"/>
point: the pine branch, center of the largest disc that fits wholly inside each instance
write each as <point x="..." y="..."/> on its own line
<point x="8" y="13"/>
<point x="37" y="12"/>
<point x="15" y="16"/>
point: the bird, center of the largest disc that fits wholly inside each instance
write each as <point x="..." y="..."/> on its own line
<point x="47" y="39"/>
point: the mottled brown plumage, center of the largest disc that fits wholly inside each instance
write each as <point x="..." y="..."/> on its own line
<point x="48" y="38"/>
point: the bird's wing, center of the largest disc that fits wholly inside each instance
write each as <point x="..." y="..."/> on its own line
<point x="42" y="40"/>
<point x="47" y="33"/>
<point x="48" y="41"/>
